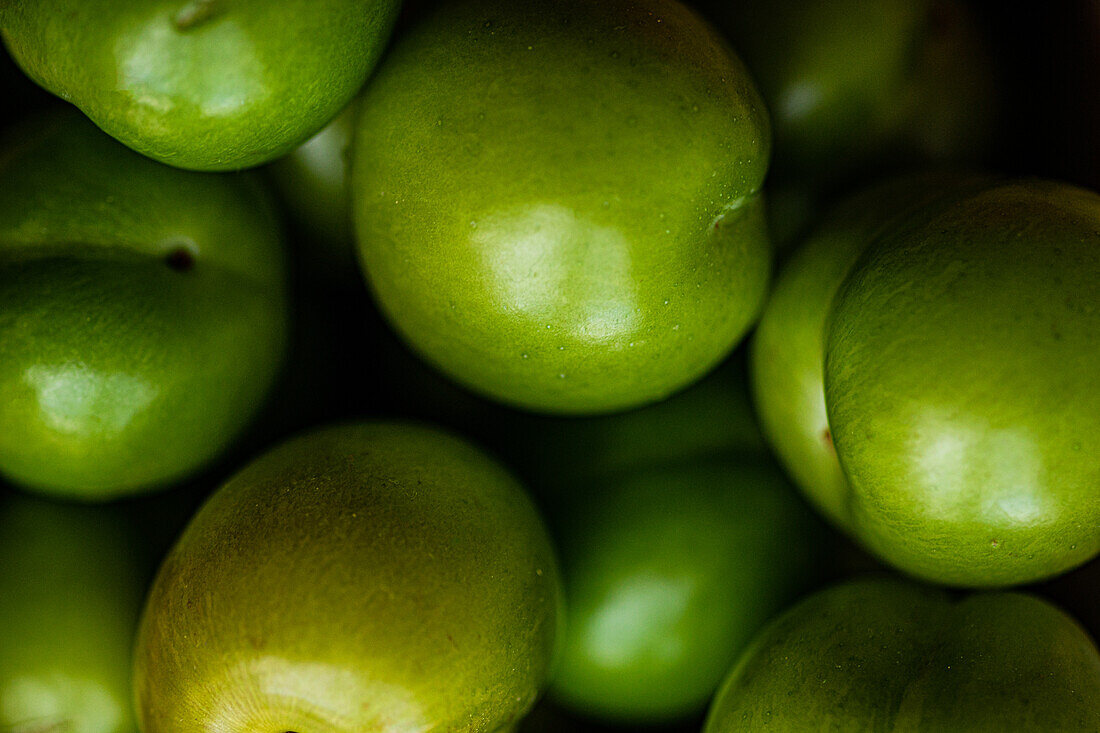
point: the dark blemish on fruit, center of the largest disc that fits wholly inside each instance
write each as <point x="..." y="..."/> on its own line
<point x="180" y="260"/>
<point x="827" y="436"/>
<point x="196" y="13"/>
<point x="995" y="543"/>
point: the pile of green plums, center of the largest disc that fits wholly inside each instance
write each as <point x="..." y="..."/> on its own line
<point x="460" y="367"/>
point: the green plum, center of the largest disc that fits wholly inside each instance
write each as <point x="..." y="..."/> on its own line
<point x="850" y="82"/>
<point x="787" y="366"/>
<point x="925" y="370"/>
<point x="142" y="312"/>
<point x="202" y="84"/>
<point x="669" y="571"/>
<point x="556" y="201"/>
<point x="71" y="583"/>
<point x="313" y="183"/>
<point x="377" y="576"/>
<point x="861" y="86"/>
<point x="882" y="655"/>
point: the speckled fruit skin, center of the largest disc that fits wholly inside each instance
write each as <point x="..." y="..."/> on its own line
<point x="883" y="656"/>
<point x="956" y="344"/>
<point x="556" y="201"/>
<point x="669" y="571"/>
<point x="202" y="84"/>
<point x="373" y="577"/>
<point x="72" y="580"/>
<point x="141" y="312"/>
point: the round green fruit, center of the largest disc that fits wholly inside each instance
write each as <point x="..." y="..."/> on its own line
<point x="925" y="370"/>
<point x="669" y="571"/>
<point x="142" y="312"/>
<point x="72" y="581"/>
<point x="202" y="84"/>
<point x="786" y="355"/>
<point x="557" y="202"/>
<point x="853" y="83"/>
<point x="882" y="655"/>
<point x="362" y="577"/>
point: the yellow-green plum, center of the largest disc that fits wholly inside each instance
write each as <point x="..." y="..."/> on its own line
<point x="924" y="370"/>
<point x="885" y="656"/>
<point x="366" y="577"/>
<point x="142" y="312"/>
<point x="556" y="201"/>
<point x="202" y="84"/>
<point x="71" y="584"/>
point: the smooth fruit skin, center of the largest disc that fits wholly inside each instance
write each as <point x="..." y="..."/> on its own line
<point x="71" y="584"/>
<point x="921" y="370"/>
<point x="371" y="577"/>
<point x="142" y="312"/>
<point x="849" y="81"/>
<point x="202" y="84"/>
<point x="882" y="655"/>
<point x="669" y="572"/>
<point x="788" y="346"/>
<point x="960" y="385"/>
<point x="556" y="201"/>
<point x="858" y="89"/>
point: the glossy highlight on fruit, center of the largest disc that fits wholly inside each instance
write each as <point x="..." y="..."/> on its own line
<point x="377" y="576"/>
<point x="881" y="655"/>
<point x="669" y="571"/>
<point x="924" y="370"/>
<point x="142" y="312"/>
<point x="857" y="83"/>
<point x="202" y="84"/>
<point x="557" y="202"/>
<point x="71" y="583"/>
